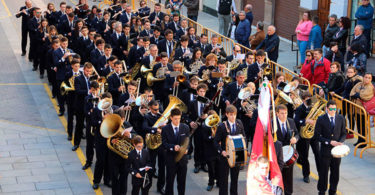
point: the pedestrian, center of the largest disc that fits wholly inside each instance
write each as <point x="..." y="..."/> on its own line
<point x="224" y="9"/>
<point x="233" y="26"/>
<point x="342" y="35"/>
<point x="271" y="44"/>
<point x="303" y="31"/>
<point x="364" y="15"/>
<point x="331" y="29"/>
<point x="249" y="14"/>
<point x="192" y="9"/>
<point x="242" y="33"/>
<point x="315" y="38"/>
<point x="258" y="37"/>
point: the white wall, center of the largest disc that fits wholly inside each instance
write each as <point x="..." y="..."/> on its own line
<point x="339" y="7"/>
<point x="309" y="4"/>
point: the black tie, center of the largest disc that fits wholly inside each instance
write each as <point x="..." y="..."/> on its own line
<point x="176" y="132"/>
<point x="202" y="108"/>
<point x="283" y="130"/>
<point x="332" y="123"/>
<point x="233" y="129"/>
<point x="139" y="155"/>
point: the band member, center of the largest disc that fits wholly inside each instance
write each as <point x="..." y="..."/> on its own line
<point x="61" y="64"/>
<point x="25" y="14"/>
<point x="140" y="167"/>
<point x="210" y="153"/>
<point x="230" y="93"/>
<point x="49" y="60"/>
<point x="147" y="32"/>
<point x="129" y="96"/>
<point x="196" y="117"/>
<point x="96" y="53"/>
<point x="115" y="85"/>
<point x="135" y="53"/>
<point x="303" y="144"/>
<point x="71" y="96"/>
<point x="232" y="126"/>
<point x="249" y="60"/>
<point x="102" y="164"/>
<point x="166" y="69"/>
<point x="149" y="120"/>
<point x="215" y="48"/>
<point x="184" y="53"/>
<point x="287" y="134"/>
<point x="82" y="87"/>
<point x="156" y="36"/>
<point x="331" y="131"/>
<point x="255" y="70"/>
<point x="33" y="25"/>
<point x="183" y="29"/>
<point x="91" y="101"/>
<point x="102" y="61"/>
<point x="171" y="84"/>
<point x="173" y="135"/>
<point x="167" y="44"/>
<point x="188" y="95"/>
<point x="157" y="16"/>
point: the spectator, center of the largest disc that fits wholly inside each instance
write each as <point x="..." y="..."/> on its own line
<point x="242" y="33"/>
<point x="334" y="55"/>
<point x="342" y="35"/>
<point x="362" y="91"/>
<point x="351" y="80"/>
<point x="308" y="65"/>
<point x="271" y="44"/>
<point x="360" y="40"/>
<point x="321" y="68"/>
<point x="359" y="60"/>
<point x="233" y="26"/>
<point x="175" y="6"/>
<point x="331" y="29"/>
<point x="249" y="14"/>
<point x="258" y="37"/>
<point x="224" y="9"/>
<point x="303" y="31"/>
<point x="315" y="38"/>
<point x="335" y="81"/>
<point x="192" y="9"/>
<point x="364" y="14"/>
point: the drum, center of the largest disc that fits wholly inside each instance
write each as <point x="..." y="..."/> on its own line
<point x="340" y="151"/>
<point x="290" y="155"/>
<point x="236" y="150"/>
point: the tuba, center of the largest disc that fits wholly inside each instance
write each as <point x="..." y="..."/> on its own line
<point x="317" y="110"/>
<point x="112" y="129"/>
<point x="153" y="141"/>
<point x="246" y="104"/>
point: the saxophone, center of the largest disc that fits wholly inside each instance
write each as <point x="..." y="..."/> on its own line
<point x="317" y="110"/>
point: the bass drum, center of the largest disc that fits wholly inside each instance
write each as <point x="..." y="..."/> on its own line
<point x="236" y="150"/>
<point x="290" y="155"/>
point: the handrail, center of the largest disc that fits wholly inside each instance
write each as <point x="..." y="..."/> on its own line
<point x="359" y="112"/>
<point x="295" y="49"/>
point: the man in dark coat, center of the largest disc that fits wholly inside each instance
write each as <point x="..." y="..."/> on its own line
<point x="271" y="44"/>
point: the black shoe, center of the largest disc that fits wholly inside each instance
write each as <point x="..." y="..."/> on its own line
<point x="34" y="69"/>
<point x="74" y="148"/>
<point x="69" y="138"/>
<point x="41" y="76"/>
<point x="95" y="186"/>
<point x="196" y="170"/>
<point x="306" y="179"/>
<point x="209" y="188"/>
<point x="204" y="168"/>
<point x="108" y="184"/>
<point x="23" y="54"/>
<point x="86" y="166"/>
<point x="61" y="114"/>
<point x="161" y="191"/>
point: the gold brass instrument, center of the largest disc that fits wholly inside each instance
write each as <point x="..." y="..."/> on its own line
<point x="246" y="104"/>
<point x="180" y="78"/>
<point x="234" y="64"/>
<point x="128" y="112"/>
<point x="212" y="121"/>
<point x="111" y="128"/>
<point x="171" y="57"/>
<point x="144" y="71"/>
<point x="282" y="98"/>
<point x="130" y="45"/>
<point x="317" y="110"/>
<point x="153" y="141"/>
<point x="105" y="105"/>
<point x="151" y="79"/>
<point x="194" y="67"/>
<point x="65" y="88"/>
<point x="134" y="71"/>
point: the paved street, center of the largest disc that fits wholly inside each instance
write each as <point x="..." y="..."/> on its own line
<point x="36" y="158"/>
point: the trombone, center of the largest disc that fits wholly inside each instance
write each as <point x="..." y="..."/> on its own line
<point x="180" y="79"/>
<point x="127" y="112"/>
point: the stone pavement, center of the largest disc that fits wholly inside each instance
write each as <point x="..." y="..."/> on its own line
<point x="35" y="157"/>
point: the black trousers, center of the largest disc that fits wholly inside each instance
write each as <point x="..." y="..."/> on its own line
<point x="223" y="177"/>
<point x="158" y="153"/>
<point x="71" y="114"/>
<point x="24" y="39"/>
<point x="79" y="127"/>
<point x="173" y="169"/>
<point x="361" y="128"/>
<point x="287" y="173"/>
<point x="60" y="98"/>
<point x="42" y="61"/>
<point x="34" y="51"/>
<point x="119" y="172"/>
<point x="90" y="142"/>
<point x="303" y="147"/>
<point x="138" y="186"/>
<point x="102" y="161"/>
<point x="199" y="159"/>
<point x="213" y="171"/>
<point x="328" y="163"/>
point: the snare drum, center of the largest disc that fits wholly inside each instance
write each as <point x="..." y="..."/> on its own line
<point x="290" y="155"/>
<point x="236" y="150"/>
<point x="340" y="151"/>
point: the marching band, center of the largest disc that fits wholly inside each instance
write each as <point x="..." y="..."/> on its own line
<point x="151" y="94"/>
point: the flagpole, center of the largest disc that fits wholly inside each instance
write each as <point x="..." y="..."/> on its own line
<point x="274" y="125"/>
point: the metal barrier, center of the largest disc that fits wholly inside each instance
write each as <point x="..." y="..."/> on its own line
<point x="355" y="115"/>
<point x="294" y="38"/>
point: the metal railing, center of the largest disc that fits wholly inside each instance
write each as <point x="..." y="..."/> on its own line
<point x="355" y="115"/>
<point x="296" y="49"/>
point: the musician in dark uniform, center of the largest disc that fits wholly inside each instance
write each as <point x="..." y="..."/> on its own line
<point x="114" y="84"/>
<point x="156" y="36"/>
<point x="70" y="97"/>
<point x="159" y="85"/>
<point x="196" y="116"/>
<point x="331" y="131"/>
<point x="215" y="48"/>
<point x="173" y="136"/>
<point x="139" y="165"/>
<point x="157" y="16"/>
<point x="96" y="53"/>
<point x="33" y="25"/>
<point x="230" y="93"/>
<point x="254" y="71"/>
<point x="303" y="144"/>
<point x="25" y="14"/>
<point x="148" y="123"/>
<point x="287" y="134"/>
<point x="167" y="44"/>
<point x="102" y="164"/>
<point x="82" y="87"/>
<point x="184" y="53"/>
<point x="232" y="126"/>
